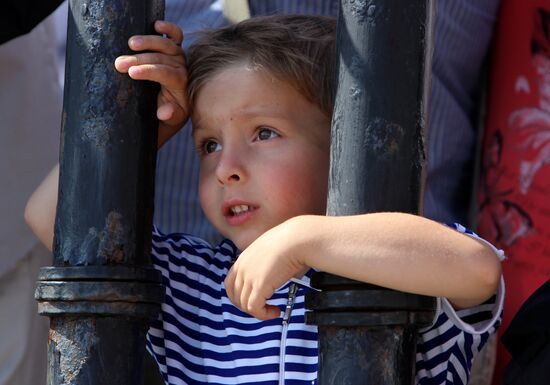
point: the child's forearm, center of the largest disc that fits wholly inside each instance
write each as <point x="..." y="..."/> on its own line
<point x="400" y="251"/>
<point x="41" y="208"/>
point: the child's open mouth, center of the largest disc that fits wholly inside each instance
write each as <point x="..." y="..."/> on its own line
<point x="240" y="209"/>
<point x="239" y="214"/>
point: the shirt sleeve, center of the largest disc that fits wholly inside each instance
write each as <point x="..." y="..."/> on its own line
<point x="163" y="248"/>
<point x="446" y="349"/>
<point x="192" y="274"/>
<point x="174" y="255"/>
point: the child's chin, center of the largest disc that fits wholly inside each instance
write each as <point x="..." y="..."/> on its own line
<point x="242" y="243"/>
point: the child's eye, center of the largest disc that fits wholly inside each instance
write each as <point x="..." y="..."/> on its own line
<point x="209" y="146"/>
<point x="266" y="134"/>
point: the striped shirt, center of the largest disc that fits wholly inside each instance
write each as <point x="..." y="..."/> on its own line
<point x="463" y="31"/>
<point x="201" y="337"/>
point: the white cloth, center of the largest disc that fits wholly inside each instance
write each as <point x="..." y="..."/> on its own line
<point x="30" y="116"/>
<point x="23" y="359"/>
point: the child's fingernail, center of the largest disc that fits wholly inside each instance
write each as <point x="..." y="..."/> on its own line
<point x="124" y="61"/>
<point x="160" y="23"/>
<point x="135" y="42"/>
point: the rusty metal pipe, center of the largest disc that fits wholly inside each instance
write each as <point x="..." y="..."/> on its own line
<point x="367" y="334"/>
<point x="101" y="291"/>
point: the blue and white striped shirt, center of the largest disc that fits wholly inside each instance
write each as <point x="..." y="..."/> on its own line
<point x="201" y="337"/>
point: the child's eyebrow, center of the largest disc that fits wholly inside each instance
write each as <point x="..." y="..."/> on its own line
<point x="245" y="113"/>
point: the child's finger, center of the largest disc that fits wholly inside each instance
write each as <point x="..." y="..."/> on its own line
<point x="272" y="311"/>
<point x="172" y="110"/>
<point x="258" y="307"/>
<point x="165" y="111"/>
<point x="266" y="312"/>
<point x="233" y="287"/>
<point x="228" y="284"/>
<point x="169" y="29"/>
<point x="168" y="76"/>
<point x="243" y="299"/>
<point x="124" y="62"/>
<point x="154" y="43"/>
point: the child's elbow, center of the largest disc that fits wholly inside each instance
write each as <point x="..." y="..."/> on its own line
<point x="37" y="223"/>
<point x="488" y="271"/>
<point x="29" y="215"/>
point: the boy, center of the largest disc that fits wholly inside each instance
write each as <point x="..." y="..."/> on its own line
<point x="260" y="98"/>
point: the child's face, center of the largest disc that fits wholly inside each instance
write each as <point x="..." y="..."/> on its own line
<point x="264" y="152"/>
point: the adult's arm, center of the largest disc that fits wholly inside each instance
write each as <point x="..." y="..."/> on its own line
<point x="18" y="17"/>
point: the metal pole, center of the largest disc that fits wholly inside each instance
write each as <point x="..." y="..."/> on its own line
<point x="367" y="334"/>
<point x="101" y="291"/>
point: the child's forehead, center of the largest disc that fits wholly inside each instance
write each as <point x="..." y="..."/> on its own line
<point x="246" y="69"/>
<point x="242" y="91"/>
<point x="249" y="96"/>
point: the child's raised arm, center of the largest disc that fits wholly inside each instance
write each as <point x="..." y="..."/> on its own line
<point x="163" y="63"/>
<point x="400" y="251"/>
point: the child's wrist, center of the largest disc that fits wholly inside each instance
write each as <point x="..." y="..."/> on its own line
<point x="300" y="232"/>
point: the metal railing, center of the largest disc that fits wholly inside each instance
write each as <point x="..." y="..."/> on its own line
<point x="101" y="291"/>
<point x="367" y="334"/>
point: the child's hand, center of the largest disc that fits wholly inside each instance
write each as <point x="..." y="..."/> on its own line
<point x="268" y="263"/>
<point x="165" y="65"/>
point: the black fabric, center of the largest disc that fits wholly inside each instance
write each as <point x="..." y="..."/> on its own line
<point x="18" y="17"/>
<point x="528" y="341"/>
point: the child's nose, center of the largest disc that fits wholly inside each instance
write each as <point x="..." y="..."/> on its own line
<point x="231" y="167"/>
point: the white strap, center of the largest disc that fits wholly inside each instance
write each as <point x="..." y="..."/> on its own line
<point x="236" y="10"/>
